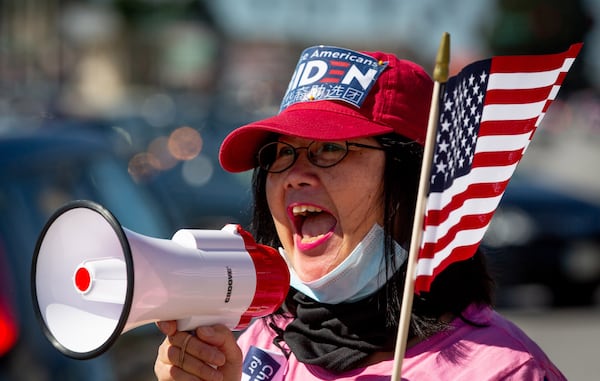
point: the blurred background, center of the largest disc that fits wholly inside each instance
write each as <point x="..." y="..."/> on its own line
<point x="125" y="102"/>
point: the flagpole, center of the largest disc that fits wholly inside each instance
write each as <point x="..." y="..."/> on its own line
<point x="440" y="76"/>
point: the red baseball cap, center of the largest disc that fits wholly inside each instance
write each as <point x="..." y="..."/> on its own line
<point x="340" y="94"/>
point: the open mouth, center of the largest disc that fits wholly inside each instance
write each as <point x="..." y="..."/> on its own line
<point x="313" y="225"/>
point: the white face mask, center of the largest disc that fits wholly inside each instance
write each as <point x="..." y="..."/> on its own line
<point x="359" y="275"/>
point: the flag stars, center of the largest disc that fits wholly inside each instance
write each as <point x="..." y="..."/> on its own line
<point x="448" y="105"/>
<point x="460" y="115"/>
<point x="482" y="77"/>
<point x="468" y="152"/>
<point x="441" y="167"/>
<point x="466" y="123"/>
<point x="469" y="100"/>
<point x="451" y="164"/>
<point x="445" y="125"/>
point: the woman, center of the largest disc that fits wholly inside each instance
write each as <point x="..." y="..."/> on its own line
<point x="335" y="182"/>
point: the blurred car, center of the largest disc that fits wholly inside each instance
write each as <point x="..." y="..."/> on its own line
<point x="196" y="191"/>
<point x="200" y="193"/>
<point x="39" y="172"/>
<point x="543" y="245"/>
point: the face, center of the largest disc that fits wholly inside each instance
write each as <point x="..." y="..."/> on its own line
<point x="321" y="214"/>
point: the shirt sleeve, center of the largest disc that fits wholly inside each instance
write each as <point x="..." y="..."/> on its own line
<point x="532" y="370"/>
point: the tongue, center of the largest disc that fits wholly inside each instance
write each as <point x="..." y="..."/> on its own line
<point x="317" y="224"/>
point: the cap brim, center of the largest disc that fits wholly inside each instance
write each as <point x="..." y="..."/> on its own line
<point x="323" y="120"/>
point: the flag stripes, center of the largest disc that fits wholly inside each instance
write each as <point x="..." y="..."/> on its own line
<point x="488" y="114"/>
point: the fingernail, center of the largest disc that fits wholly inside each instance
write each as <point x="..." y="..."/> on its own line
<point x="163" y="326"/>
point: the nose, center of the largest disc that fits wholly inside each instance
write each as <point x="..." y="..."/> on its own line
<point x="301" y="173"/>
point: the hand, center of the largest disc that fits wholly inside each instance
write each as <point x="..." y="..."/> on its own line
<point x="211" y="355"/>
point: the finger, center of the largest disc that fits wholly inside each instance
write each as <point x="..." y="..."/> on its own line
<point x="172" y="349"/>
<point x="172" y="373"/>
<point x="204" y="371"/>
<point x="182" y="350"/>
<point x="167" y="327"/>
<point x="194" y="357"/>
<point x="206" y="350"/>
<point x="164" y="369"/>
<point x="175" y="362"/>
<point x="217" y="335"/>
<point x="222" y="337"/>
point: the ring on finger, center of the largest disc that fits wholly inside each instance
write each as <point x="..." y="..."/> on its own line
<point x="182" y="350"/>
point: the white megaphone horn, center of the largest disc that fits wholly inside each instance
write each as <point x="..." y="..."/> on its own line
<point x="93" y="280"/>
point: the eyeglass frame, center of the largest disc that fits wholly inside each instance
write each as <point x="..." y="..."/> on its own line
<point x="308" y="153"/>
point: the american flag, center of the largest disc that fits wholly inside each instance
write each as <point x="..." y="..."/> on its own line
<point x="488" y="114"/>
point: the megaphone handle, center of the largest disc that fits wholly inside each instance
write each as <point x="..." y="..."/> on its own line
<point x="192" y="322"/>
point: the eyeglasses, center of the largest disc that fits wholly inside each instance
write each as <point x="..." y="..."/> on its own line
<point x="276" y="157"/>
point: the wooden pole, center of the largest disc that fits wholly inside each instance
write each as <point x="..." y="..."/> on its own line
<point x="440" y="77"/>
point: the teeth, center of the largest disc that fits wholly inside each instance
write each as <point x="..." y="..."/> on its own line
<point x="312" y="239"/>
<point x="302" y="210"/>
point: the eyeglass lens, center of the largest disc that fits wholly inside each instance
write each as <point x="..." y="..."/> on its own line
<point x="279" y="156"/>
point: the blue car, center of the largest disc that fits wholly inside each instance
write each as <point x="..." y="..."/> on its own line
<point x="39" y="172"/>
<point x="543" y="245"/>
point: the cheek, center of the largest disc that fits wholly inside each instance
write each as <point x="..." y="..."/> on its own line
<point x="269" y="193"/>
<point x="370" y="206"/>
<point x="274" y="198"/>
<point x="361" y="200"/>
<point x="275" y="201"/>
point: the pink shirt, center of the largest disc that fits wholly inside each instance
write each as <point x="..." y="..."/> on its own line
<point x="499" y="351"/>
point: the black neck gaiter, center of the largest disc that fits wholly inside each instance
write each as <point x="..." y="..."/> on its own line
<point x="338" y="337"/>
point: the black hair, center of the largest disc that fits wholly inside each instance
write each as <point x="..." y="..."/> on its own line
<point x="461" y="284"/>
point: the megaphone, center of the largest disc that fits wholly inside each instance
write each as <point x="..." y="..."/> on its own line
<point x="93" y="279"/>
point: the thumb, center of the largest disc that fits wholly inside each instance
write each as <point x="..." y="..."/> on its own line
<point x="168" y="327"/>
